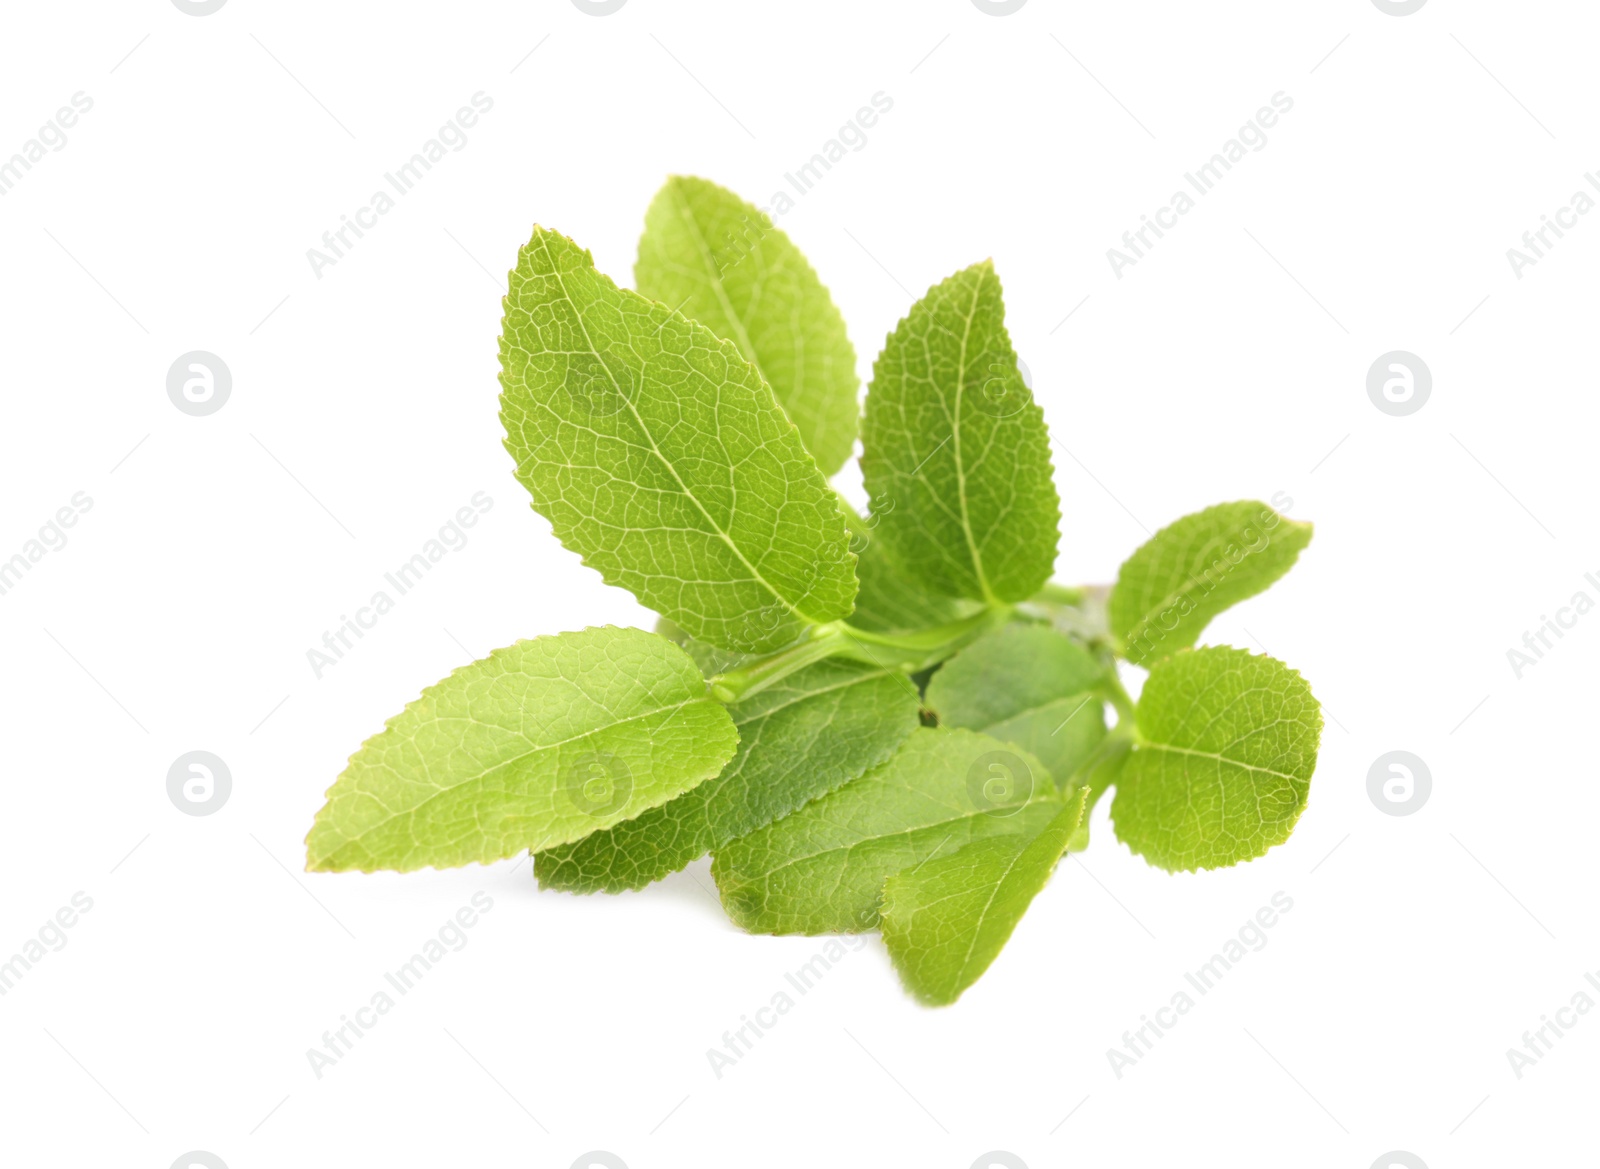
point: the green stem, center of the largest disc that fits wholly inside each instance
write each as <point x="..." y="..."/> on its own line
<point x="1118" y="694"/>
<point x="937" y="637"/>
<point x="1116" y="741"/>
<point x="903" y="652"/>
<point x="1078" y="611"/>
<point x="825" y="641"/>
<point x="1058" y="594"/>
<point x="912" y="653"/>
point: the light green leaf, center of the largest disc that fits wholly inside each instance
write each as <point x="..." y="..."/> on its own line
<point x="957" y="459"/>
<point x="946" y="921"/>
<point x="1227" y="744"/>
<point x="822" y="868"/>
<point x="798" y="739"/>
<point x="660" y="456"/>
<point x="720" y="261"/>
<point x="1169" y="590"/>
<point x="1028" y="685"/>
<point x="540" y="743"/>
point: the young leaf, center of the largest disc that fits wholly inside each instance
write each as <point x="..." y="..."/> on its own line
<point x="1169" y="590"/>
<point x="660" y="456"/>
<point x="1028" y="685"/>
<point x="1227" y="744"/>
<point x="540" y="743"/>
<point x="821" y="869"/>
<point x="956" y="453"/>
<point x="720" y="261"/>
<point x="946" y="921"/>
<point x="798" y="740"/>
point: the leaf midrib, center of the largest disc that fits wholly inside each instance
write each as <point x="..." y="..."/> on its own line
<point x="1220" y="758"/>
<point x="480" y="776"/>
<point x="994" y="892"/>
<point x="955" y="433"/>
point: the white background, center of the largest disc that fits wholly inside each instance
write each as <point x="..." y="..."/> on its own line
<point x="363" y="414"/>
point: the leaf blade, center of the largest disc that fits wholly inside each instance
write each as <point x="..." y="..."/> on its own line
<point x="660" y="457"/>
<point x="946" y="922"/>
<point x="954" y="440"/>
<point x="505" y="754"/>
<point x="720" y="261"/>
<point x="1174" y="584"/>
<point x="1222" y="769"/>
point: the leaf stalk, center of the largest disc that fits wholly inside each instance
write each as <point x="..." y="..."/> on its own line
<point x="905" y="653"/>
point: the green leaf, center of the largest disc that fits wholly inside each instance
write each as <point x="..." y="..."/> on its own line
<point x="822" y="868"/>
<point x="1194" y="568"/>
<point x="720" y="261"/>
<point x="1028" y="685"/>
<point x="660" y="456"/>
<point x="1227" y="744"/>
<point x="798" y="739"/>
<point x="540" y="743"/>
<point x="957" y="459"/>
<point x="946" y="921"/>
